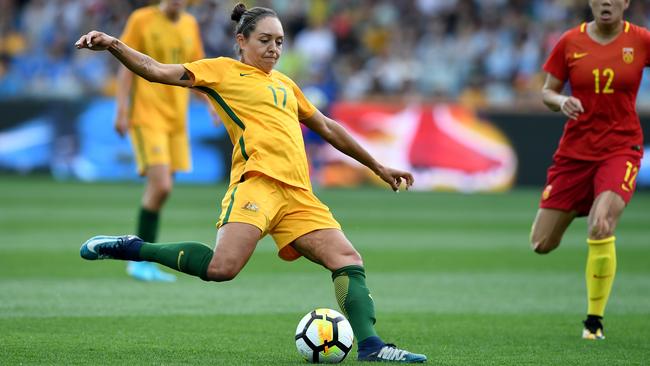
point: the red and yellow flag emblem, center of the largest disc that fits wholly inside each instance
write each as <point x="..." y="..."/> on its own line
<point x="547" y="192"/>
<point x="628" y="55"/>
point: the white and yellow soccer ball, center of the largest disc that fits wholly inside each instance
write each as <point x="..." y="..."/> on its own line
<point x="324" y="336"/>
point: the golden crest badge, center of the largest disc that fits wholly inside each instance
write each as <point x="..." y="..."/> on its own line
<point x="251" y="206"/>
<point x="547" y="192"/>
<point x="628" y="55"/>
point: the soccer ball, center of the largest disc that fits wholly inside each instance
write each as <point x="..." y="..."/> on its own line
<point x="324" y="335"/>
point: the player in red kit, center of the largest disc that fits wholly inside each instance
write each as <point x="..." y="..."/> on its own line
<point x="597" y="161"/>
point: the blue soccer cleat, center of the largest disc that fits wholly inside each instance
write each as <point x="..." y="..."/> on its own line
<point x="149" y="272"/>
<point x="125" y="247"/>
<point x="390" y="353"/>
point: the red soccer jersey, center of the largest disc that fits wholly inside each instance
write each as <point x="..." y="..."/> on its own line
<point x="605" y="78"/>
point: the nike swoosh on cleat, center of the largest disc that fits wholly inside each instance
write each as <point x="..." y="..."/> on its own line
<point x="98" y="240"/>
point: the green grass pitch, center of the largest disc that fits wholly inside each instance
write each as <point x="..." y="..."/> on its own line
<point x="452" y="277"/>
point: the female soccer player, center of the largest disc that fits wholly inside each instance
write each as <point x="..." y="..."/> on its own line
<point x="595" y="166"/>
<point x="270" y="191"/>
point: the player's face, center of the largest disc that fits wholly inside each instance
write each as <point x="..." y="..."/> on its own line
<point x="173" y="6"/>
<point x="608" y="11"/>
<point x="263" y="47"/>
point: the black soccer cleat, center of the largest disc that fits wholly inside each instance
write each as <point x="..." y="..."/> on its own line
<point x="593" y="329"/>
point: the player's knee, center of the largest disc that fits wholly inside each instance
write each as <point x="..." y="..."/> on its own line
<point x="222" y="274"/>
<point x="351" y="258"/>
<point x="601" y="228"/>
<point x="164" y="190"/>
<point x="543" y="245"/>
<point x="355" y="259"/>
<point x="540" y="249"/>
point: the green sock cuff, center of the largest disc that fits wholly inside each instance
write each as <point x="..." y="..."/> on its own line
<point x="349" y="270"/>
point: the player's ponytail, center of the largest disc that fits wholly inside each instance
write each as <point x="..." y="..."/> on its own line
<point x="247" y="18"/>
<point x="237" y="12"/>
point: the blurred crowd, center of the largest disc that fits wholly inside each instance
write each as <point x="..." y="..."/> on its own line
<point x="483" y="53"/>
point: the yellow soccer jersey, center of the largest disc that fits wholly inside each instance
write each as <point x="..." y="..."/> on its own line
<point x="262" y="114"/>
<point x="149" y="31"/>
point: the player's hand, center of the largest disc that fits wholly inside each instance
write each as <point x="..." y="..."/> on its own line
<point x="94" y="40"/>
<point x="394" y="177"/>
<point x="572" y="107"/>
<point x="121" y="124"/>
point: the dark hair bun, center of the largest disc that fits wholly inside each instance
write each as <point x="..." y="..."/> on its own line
<point x="237" y="12"/>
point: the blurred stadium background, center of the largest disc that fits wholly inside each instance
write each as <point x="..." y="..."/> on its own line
<point x="447" y="88"/>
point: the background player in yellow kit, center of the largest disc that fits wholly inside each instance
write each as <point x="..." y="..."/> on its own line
<point x="155" y="115"/>
<point x="270" y="191"/>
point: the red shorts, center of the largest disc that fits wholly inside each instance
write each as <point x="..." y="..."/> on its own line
<point x="572" y="185"/>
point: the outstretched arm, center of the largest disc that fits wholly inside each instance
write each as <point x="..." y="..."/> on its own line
<point x="139" y="63"/>
<point x="338" y="137"/>
<point x="569" y="105"/>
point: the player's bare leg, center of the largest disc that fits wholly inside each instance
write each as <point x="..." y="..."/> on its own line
<point x="601" y="260"/>
<point x="548" y="228"/>
<point x="158" y="187"/>
<point x="236" y="243"/>
<point x="604" y="215"/>
<point x="331" y="249"/>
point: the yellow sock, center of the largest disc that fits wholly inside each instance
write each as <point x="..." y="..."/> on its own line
<point x="601" y="268"/>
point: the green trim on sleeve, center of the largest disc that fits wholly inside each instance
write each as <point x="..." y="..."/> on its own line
<point x="226" y="108"/>
<point x="223" y="105"/>
<point x="242" y="147"/>
<point x="232" y="200"/>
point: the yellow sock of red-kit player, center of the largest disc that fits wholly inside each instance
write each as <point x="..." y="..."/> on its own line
<point x="599" y="275"/>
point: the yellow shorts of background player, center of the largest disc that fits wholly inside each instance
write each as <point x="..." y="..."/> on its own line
<point x="276" y="208"/>
<point x="157" y="147"/>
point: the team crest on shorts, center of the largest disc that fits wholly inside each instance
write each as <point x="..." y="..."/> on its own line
<point x="251" y="206"/>
<point x="628" y="55"/>
<point x="547" y="192"/>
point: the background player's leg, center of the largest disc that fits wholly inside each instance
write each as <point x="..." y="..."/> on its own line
<point x="157" y="189"/>
<point x="158" y="186"/>
<point x="601" y="259"/>
<point x="604" y="215"/>
<point x="548" y="228"/>
<point x="331" y="249"/>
